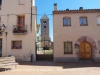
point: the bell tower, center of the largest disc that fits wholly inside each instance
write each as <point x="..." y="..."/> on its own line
<point x="45" y="32"/>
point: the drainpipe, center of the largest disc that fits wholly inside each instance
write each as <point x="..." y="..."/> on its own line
<point x="31" y="16"/>
<point x="7" y="33"/>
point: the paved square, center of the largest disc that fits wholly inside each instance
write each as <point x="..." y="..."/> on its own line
<point x="51" y="68"/>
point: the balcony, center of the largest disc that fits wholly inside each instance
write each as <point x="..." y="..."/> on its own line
<point x="19" y="29"/>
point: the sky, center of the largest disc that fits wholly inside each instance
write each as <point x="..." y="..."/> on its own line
<point x="47" y="6"/>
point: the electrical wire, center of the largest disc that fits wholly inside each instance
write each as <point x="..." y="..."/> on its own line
<point x="26" y="13"/>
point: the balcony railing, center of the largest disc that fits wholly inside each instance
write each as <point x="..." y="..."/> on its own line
<point x="20" y="29"/>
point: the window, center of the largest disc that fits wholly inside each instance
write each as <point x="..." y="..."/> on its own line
<point x="44" y="22"/>
<point x="21" y="2"/>
<point x="16" y="44"/>
<point x="21" y="20"/>
<point x="44" y="26"/>
<point x="83" y="21"/>
<point x="99" y="46"/>
<point x="66" y="22"/>
<point x="67" y="47"/>
<point x="98" y="20"/>
<point x="0" y="4"/>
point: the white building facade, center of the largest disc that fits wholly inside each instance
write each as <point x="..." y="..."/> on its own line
<point x="21" y="32"/>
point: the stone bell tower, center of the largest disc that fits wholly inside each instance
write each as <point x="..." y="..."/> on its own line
<point x="45" y="39"/>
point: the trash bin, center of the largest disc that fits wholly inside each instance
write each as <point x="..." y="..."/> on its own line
<point x="31" y="57"/>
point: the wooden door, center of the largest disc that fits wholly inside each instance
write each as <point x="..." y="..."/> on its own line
<point x="85" y="52"/>
<point x="88" y="51"/>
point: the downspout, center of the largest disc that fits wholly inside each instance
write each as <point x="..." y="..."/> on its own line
<point x="31" y="17"/>
<point x="7" y="33"/>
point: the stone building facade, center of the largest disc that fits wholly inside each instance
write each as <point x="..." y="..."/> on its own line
<point x="76" y="35"/>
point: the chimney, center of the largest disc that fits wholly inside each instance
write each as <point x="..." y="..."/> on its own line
<point x="81" y="8"/>
<point x="55" y="6"/>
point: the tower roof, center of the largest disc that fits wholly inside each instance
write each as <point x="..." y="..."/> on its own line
<point x="44" y="17"/>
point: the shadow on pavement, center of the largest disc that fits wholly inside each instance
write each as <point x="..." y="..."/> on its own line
<point x="64" y="65"/>
<point x="4" y="69"/>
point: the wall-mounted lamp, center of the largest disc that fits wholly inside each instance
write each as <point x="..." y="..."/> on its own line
<point x="3" y="28"/>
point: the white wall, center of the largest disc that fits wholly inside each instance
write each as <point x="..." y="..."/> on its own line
<point x="13" y="8"/>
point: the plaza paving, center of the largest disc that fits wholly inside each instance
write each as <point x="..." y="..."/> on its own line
<point x="51" y="68"/>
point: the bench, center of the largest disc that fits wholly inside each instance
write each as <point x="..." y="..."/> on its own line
<point x="7" y="61"/>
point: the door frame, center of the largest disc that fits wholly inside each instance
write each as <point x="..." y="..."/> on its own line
<point x="87" y="39"/>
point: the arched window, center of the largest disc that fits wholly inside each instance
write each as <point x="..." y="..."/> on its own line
<point x="44" y="22"/>
<point x="83" y="21"/>
<point x="98" y="20"/>
<point x="66" y="21"/>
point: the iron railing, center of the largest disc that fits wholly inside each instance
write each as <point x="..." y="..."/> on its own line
<point x="22" y="29"/>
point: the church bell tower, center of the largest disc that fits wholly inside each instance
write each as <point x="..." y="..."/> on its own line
<point x="45" y="32"/>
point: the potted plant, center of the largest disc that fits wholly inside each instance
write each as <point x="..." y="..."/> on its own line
<point x="19" y="25"/>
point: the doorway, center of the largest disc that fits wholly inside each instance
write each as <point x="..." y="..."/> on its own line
<point x="0" y="47"/>
<point x="44" y="53"/>
<point x="85" y="51"/>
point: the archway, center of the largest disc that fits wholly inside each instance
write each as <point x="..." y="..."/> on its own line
<point x="85" y="39"/>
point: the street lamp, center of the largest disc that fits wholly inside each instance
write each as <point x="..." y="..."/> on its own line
<point x="3" y="28"/>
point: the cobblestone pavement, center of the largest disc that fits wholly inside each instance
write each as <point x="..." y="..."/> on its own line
<point x="51" y="68"/>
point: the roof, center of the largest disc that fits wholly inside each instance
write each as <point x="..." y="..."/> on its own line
<point x="44" y="17"/>
<point x="81" y="10"/>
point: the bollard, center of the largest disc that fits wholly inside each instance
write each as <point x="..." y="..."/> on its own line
<point x="31" y="57"/>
